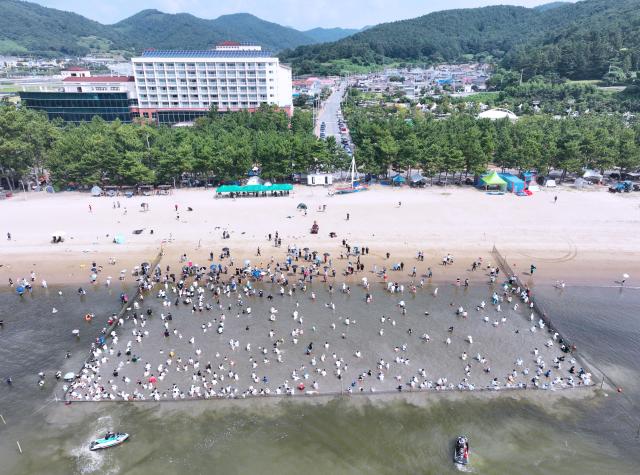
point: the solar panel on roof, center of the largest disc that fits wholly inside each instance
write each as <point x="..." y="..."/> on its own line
<point x="205" y="54"/>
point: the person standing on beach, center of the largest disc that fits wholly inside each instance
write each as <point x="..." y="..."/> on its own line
<point x="532" y="269"/>
<point x="8" y="236"/>
<point x="555" y="199"/>
<point x="90" y="208"/>
<point x="347" y="216"/>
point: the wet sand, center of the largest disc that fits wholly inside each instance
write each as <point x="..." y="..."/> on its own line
<point x="251" y="345"/>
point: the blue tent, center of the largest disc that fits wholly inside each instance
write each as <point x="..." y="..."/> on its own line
<point x="514" y="184"/>
<point x="398" y="180"/>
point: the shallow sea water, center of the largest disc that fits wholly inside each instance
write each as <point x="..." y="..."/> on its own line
<point x="537" y="434"/>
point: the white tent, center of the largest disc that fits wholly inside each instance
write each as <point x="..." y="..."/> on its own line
<point x="592" y="176"/>
<point x="255" y="180"/>
<point x="96" y="191"/>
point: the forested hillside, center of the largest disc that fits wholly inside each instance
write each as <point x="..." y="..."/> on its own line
<point x="601" y="33"/>
<point x="440" y="36"/>
<point x="31" y="28"/>
<point x="28" y="27"/>
<point x="575" y="40"/>
<point x="152" y="28"/>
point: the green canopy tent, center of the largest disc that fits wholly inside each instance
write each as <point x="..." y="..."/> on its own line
<point x="282" y="188"/>
<point x="493" y="180"/>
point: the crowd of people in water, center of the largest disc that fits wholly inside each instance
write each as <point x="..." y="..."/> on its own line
<point x="166" y="343"/>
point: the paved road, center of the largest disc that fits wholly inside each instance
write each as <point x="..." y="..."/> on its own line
<point x="328" y="113"/>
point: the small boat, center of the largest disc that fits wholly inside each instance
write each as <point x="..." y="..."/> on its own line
<point x="354" y="186"/>
<point x="109" y="440"/>
<point x="461" y="451"/>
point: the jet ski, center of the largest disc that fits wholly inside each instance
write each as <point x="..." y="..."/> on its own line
<point x="109" y="440"/>
<point x="461" y="451"/>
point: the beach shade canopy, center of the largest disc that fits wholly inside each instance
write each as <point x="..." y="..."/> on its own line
<point x="302" y="206"/>
<point x="119" y="239"/>
<point x="398" y="179"/>
<point x="418" y="178"/>
<point x="493" y="179"/>
<point x="96" y="191"/>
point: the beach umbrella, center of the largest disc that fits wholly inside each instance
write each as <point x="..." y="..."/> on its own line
<point x="153" y="379"/>
<point x="326" y="254"/>
<point x="625" y="276"/>
<point x="247" y="262"/>
<point x="213" y="267"/>
<point x="20" y="289"/>
<point x="302" y="206"/>
<point x="225" y="249"/>
<point x="256" y="273"/>
<point x="70" y="376"/>
<point x="119" y="239"/>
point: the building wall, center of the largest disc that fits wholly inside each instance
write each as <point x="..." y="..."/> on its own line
<point x="284" y="86"/>
<point x="198" y="82"/>
<point x="79" y="107"/>
<point x="81" y="86"/>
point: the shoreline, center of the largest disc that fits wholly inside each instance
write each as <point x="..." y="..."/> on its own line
<point x="73" y="267"/>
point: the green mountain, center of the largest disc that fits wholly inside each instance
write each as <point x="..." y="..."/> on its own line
<point x="28" y="27"/>
<point x="439" y="36"/>
<point x="595" y="36"/>
<point x="325" y="35"/>
<point x="550" y="6"/>
<point x="151" y="28"/>
<point x="31" y="28"/>
<point x="577" y="40"/>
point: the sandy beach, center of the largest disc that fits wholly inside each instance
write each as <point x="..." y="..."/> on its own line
<point x="587" y="237"/>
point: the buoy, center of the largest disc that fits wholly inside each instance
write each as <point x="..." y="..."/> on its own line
<point x="88" y="317"/>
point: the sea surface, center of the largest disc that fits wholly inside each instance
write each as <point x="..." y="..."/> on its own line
<point x="528" y="433"/>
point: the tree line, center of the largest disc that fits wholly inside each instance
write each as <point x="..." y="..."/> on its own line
<point x="220" y="147"/>
<point x="224" y="147"/>
<point x="401" y="139"/>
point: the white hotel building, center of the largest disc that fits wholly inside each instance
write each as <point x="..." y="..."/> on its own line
<point x="178" y="86"/>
